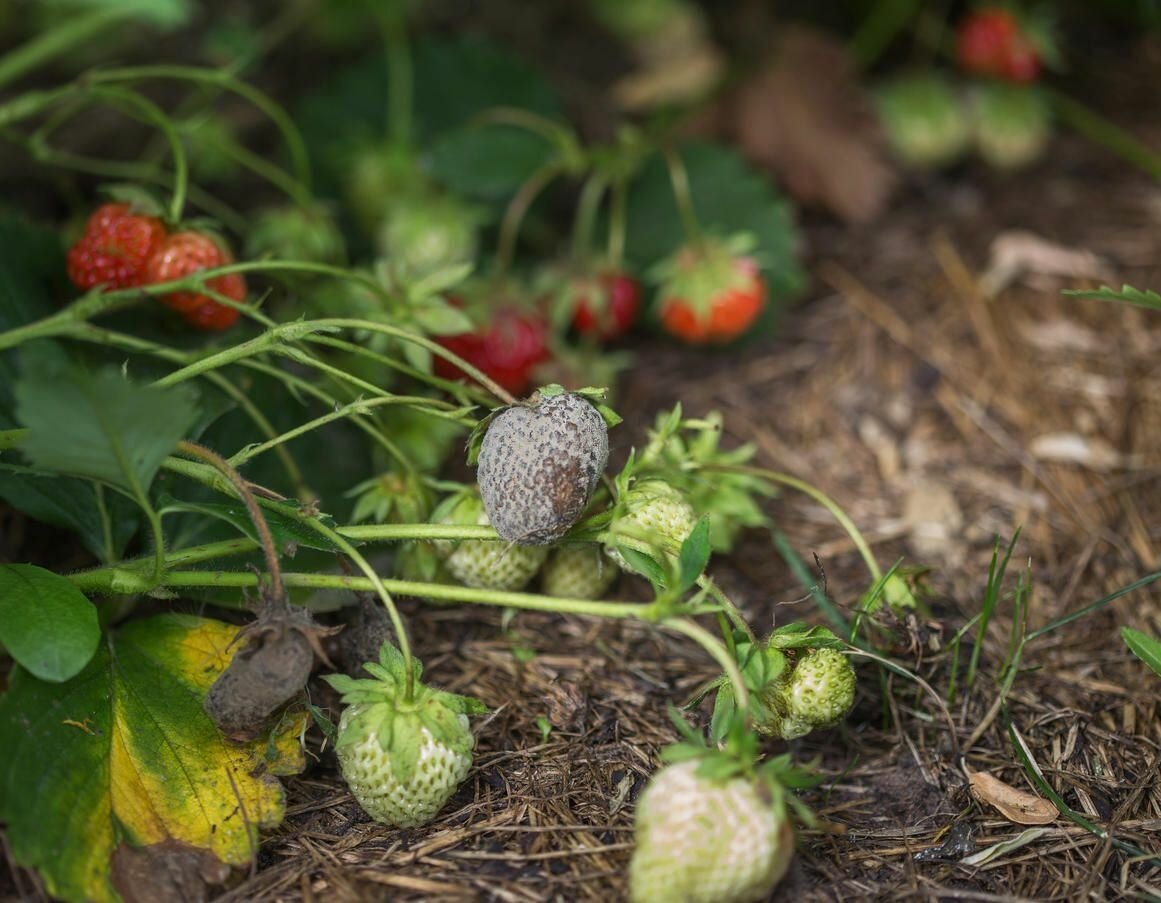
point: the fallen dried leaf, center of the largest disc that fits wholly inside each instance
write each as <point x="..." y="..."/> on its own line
<point x="1017" y="253"/>
<point x="1018" y="806"/>
<point x="804" y="115"/>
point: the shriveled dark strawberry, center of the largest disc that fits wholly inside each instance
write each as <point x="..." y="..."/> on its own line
<point x="114" y="248"/>
<point x="606" y="307"/>
<point x="508" y="349"/>
<point x="184" y="253"/>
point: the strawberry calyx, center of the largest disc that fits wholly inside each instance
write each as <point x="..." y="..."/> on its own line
<point x="398" y="723"/>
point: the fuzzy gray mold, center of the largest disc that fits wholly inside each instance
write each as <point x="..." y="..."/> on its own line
<point x="538" y="465"/>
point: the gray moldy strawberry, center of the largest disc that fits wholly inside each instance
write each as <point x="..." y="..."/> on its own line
<point x="539" y="463"/>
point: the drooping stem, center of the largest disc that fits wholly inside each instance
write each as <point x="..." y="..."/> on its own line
<point x="265" y="539"/>
<point x="683" y="196"/>
<point x="819" y="496"/>
<point x="57" y="41"/>
<point x="518" y="208"/>
<point x="718" y="652"/>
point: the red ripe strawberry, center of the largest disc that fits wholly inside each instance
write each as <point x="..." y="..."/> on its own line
<point x="184" y="253"/>
<point x="993" y="41"/>
<point x="711" y="295"/>
<point x="606" y="307"/>
<point x="114" y="248"/>
<point x="508" y="349"/>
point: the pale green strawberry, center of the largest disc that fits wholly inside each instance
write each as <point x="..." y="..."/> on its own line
<point x="821" y="689"/>
<point x="1013" y="125"/>
<point x="578" y="571"/>
<point x="925" y="120"/>
<point x="656" y="514"/>
<point x="817" y="692"/>
<point x="402" y="759"/>
<point x="481" y="563"/>
<point x="701" y="840"/>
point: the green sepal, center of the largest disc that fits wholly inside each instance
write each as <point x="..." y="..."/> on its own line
<point x="799" y="636"/>
<point x="695" y="554"/>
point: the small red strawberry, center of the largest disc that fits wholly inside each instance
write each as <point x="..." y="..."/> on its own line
<point x="606" y="307"/>
<point x="114" y="248"/>
<point x="997" y="42"/>
<point x="508" y="349"/>
<point x="184" y="253"/>
<point x="711" y="294"/>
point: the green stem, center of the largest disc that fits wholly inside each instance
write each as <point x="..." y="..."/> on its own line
<point x="67" y="319"/>
<point x="728" y="605"/>
<point x="435" y="348"/>
<point x="683" y="196"/>
<point x="1105" y="133"/>
<point x="152" y="114"/>
<point x="257" y="518"/>
<point x="396" y="532"/>
<point x="718" y="652"/>
<point x="587" y="208"/>
<point x="377" y="584"/>
<point x="12" y="438"/>
<point x="57" y="42"/>
<point x="221" y="78"/>
<point x="518" y="208"/>
<point x="882" y="23"/>
<point x="393" y="19"/>
<point x="360" y="406"/>
<point x="819" y="496"/>
<point x="618" y="222"/>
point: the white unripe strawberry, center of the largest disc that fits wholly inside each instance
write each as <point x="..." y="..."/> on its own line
<point x="371" y="775"/>
<point x="402" y="758"/>
<point x="578" y="571"/>
<point x="484" y="563"/>
<point x="655" y="514"/>
<point x="701" y="840"/>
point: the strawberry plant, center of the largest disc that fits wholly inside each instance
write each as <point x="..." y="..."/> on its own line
<point x="365" y="332"/>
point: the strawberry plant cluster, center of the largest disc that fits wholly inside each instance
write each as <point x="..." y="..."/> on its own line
<point x="232" y="434"/>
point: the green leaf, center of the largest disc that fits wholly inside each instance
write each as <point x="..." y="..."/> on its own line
<point x="162" y="13"/>
<point x="695" y="554"/>
<point x="286" y="530"/>
<point x="489" y="162"/>
<point x="1126" y="294"/>
<point x="643" y="564"/>
<point x="100" y="425"/>
<point x="124" y="754"/>
<point x="71" y="503"/>
<point x="724" y="708"/>
<point x="1145" y="647"/>
<point x="46" y="623"/>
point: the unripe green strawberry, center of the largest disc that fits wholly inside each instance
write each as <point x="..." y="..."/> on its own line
<point x="402" y="758"/>
<point x="578" y="572"/>
<point x="483" y="563"/>
<point x="1013" y="125"/>
<point x="925" y="120"/>
<point x="655" y="513"/>
<point x="706" y="841"/>
<point x="426" y="233"/>
<point x="821" y="688"/>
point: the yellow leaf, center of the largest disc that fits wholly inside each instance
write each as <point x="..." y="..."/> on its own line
<point x="149" y="769"/>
